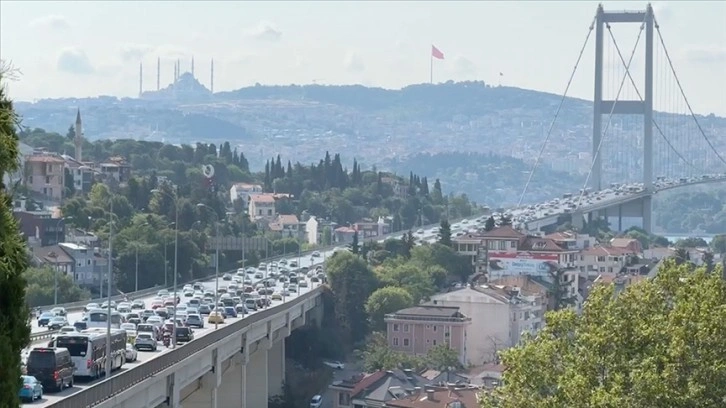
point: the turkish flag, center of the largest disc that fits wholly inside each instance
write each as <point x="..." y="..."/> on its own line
<point x="436" y="53"/>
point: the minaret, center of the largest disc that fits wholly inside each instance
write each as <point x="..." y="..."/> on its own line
<point x="192" y="67"/>
<point x="78" y="140"/>
<point x="141" y="78"/>
<point x="158" y="72"/>
<point x="211" y="77"/>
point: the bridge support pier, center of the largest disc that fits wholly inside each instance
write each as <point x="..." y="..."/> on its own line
<point x="256" y="379"/>
<point x="620" y="218"/>
<point x="276" y="368"/>
<point x="578" y="220"/>
<point x="647" y="202"/>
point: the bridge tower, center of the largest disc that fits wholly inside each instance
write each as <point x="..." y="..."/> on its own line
<point x="644" y="108"/>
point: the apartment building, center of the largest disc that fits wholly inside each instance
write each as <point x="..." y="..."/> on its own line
<point x="416" y="330"/>
<point x="500" y="315"/>
<point x="116" y="168"/>
<point x="39" y="228"/>
<point x="598" y="259"/>
<point x="288" y="226"/>
<point x="243" y="191"/>
<point x="83" y="175"/>
<point x="44" y="175"/>
<point x="80" y="262"/>
<point x="261" y="207"/>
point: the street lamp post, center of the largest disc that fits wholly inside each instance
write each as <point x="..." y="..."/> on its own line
<point x="136" y="286"/>
<point x="216" y="260"/>
<point x="109" y="357"/>
<point x="55" y="273"/>
<point x="176" y="256"/>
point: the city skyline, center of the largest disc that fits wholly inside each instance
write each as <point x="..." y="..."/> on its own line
<point x="95" y="48"/>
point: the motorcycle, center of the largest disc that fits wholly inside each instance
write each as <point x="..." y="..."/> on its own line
<point x="167" y="339"/>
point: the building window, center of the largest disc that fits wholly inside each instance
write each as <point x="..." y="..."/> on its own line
<point x="343" y="399"/>
<point x="434" y="342"/>
<point x="30" y="179"/>
<point x="405" y="328"/>
<point x="428" y="326"/>
<point x="395" y="327"/>
<point x="435" y="327"/>
<point x="502" y="245"/>
<point x="395" y="341"/>
<point x="601" y="259"/>
<point x="513" y="244"/>
<point x="405" y="342"/>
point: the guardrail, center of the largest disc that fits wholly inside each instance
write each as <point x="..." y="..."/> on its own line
<point x="150" y="291"/>
<point x="43" y="335"/>
<point x="122" y="381"/>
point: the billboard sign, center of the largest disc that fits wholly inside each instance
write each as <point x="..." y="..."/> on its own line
<point x="506" y="264"/>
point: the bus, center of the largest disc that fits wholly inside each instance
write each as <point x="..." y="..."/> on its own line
<point x="88" y="350"/>
<point x="96" y="318"/>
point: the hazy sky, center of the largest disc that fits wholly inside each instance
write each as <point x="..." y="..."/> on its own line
<point x="91" y="48"/>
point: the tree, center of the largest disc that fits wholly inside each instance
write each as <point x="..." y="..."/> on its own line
<point x="352" y="283"/>
<point x="442" y="358"/>
<point x="354" y="247"/>
<point x="378" y="356"/>
<point x="490" y="224"/>
<point x="384" y="301"/>
<point x="445" y="233"/>
<point x="708" y="262"/>
<point x="14" y="327"/>
<point x="559" y="291"/>
<point x="41" y="288"/>
<point x="681" y="255"/>
<point x="505" y="220"/>
<point x="718" y="244"/>
<point x="657" y="343"/>
<point x="691" y="243"/>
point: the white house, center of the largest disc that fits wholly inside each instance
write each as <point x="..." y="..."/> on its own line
<point x="311" y="230"/>
<point x="243" y="191"/>
<point x="499" y="317"/>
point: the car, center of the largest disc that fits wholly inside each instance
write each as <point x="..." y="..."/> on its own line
<point x="204" y="309"/>
<point x="251" y="304"/>
<point x="32" y="388"/>
<point x="316" y="254"/>
<point x="316" y="401"/>
<point x="303" y="284"/>
<point x="145" y="341"/>
<point x="44" y="318"/>
<point x="68" y="329"/>
<point x="241" y="309"/>
<point x="57" y="322"/>
<point x="91" y="306"/>
<point x="58" y="311"/>
<point x="276" y="296"/>
<point x="195" y="320"/>
<point x="149" y="328"/>
<point x="227" y="277"/>
<point x="215" y="317"/>
<point x="131" y="353"/>
<point x="129" y="327"/>
<point x="138" y="304"/>
<point x="229" y="311"/>
<point x="184" y="334"/>
<point x="80" y="325"/>
<point x="334" y="364"/>
<point x="52" y="367"/>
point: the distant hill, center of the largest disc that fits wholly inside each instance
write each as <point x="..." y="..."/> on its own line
<point x="373" y="124"/>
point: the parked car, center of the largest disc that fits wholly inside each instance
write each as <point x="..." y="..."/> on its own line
<point x="131" y="353"/>
<point x="334" y="364"/>
<point x="145" y="341"/>
<point x="31" y="390"/>
<point x="316" y="401"/>
<point x="52" y="367"/>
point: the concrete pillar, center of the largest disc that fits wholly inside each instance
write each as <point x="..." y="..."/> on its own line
<point x="174" y="392"/>
<point x="647" y="202"/>
<point x="209" y="394"/>
<point x="256" y="379"/>
<point x="276" y="368"/>
<point x="578" y="220"/>
<point x="620" y="218"/>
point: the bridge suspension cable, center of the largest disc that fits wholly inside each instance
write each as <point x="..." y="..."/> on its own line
<point x="557" y="112"/>
<point x="610" y="116"/>
<point x="683" y="93"/>
<point x="637" y="92"/>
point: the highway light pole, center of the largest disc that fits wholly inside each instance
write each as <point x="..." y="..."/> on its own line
<point x="109" y="357"/>
<point x="176" y="256"/>
<point x="216" y="259"/>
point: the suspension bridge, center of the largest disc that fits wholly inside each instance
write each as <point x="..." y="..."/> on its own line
<point x="646" y="137"/>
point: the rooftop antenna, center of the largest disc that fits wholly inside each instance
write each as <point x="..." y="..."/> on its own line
<point x="141" y="78"/>
<point x="158" y="72"/>
<point x="192" y="66"/>
<point x="211" y="77"/>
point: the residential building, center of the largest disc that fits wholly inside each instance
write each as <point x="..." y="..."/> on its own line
<point x="288" y="226"/>
<point x="370" y="229"/>
<point x="400" y="189"/>
<point x="376" y="389"/>
<point x="500" y="315"/>
<point x="600" y="259"/>
<point x="631" y="244"/>
<point x="83" y="175"/>
<point x="117" y="168"/>
<point x="448" y="396"/>
<point x="262" y="207"/>
<point x="572" y="239"/>
<point x="416" y="330"/>
<point x="243" y="191"/>
<point x="80" y="237"/>
<point x="39" y="228"/>
<point x="345" y="235"/>
<point x="44" y="175"/>
<point x="54" y="256"/>
<point x="504" y="251"/>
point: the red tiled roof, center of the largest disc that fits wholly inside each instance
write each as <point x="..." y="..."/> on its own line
<point x="367" y="381"/>
<point x="505" y="231"/>
<point x="44" y="158"/>
<point x="605" y="251"/>
<point x="540" y="244"/>
<point x="262" y="198"/>
<point x="442" y="398"/>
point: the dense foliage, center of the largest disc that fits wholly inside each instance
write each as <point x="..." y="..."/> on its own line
<point x="658" y="343"/>
<point x="696" y="208"/>
<point x="378" y="356"/>
<point x="41" y="283"/>
<point x="14" y="328"/>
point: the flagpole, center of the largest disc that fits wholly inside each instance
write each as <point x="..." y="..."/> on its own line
<point x="432" y="69"/>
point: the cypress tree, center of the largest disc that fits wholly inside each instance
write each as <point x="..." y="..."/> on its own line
<point x="14" y="328"/>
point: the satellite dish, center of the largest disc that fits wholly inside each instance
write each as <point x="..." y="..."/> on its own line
<point x="208" y="170"/>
